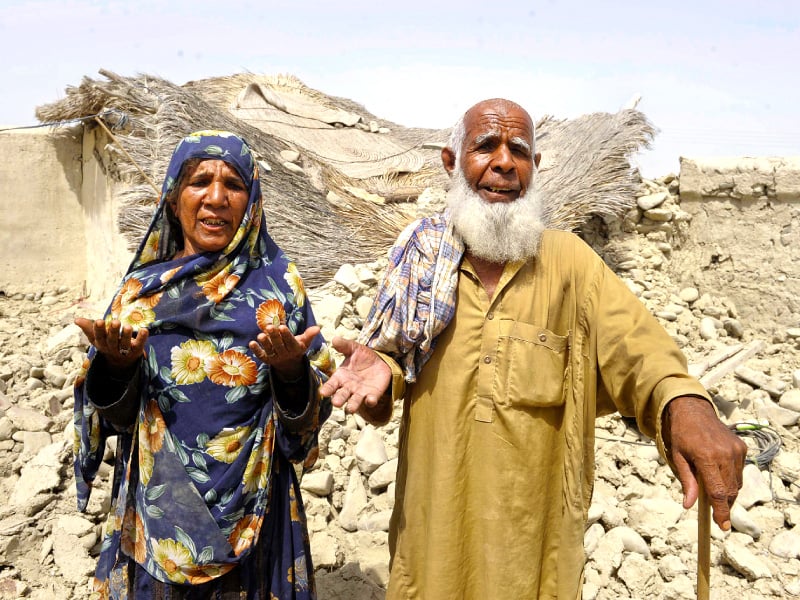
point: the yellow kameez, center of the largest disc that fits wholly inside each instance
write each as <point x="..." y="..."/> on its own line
<point x="497" y="442"/>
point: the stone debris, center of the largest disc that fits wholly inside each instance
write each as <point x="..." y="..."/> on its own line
<point x="639" y="542"/>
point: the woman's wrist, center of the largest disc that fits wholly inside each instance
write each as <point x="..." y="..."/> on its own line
<point x="289" y="379"/>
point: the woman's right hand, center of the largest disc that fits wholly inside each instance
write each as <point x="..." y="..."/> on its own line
<point x="119" y="346"/>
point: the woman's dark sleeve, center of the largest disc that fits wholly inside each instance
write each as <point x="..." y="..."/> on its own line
<point x="116" y="397"/>
<point x="293" y="399"/>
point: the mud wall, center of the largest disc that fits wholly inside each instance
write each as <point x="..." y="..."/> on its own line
<point x="42" y="231"/>
<point x="743" y="238"/>
<point x="59" y="214"/>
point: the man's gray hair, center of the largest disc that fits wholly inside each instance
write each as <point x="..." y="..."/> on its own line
<point x="459" y="134"/>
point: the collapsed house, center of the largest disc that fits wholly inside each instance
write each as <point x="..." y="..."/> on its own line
<point x="339" y="183"/>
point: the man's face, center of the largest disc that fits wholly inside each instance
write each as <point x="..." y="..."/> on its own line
<point x="497" y="158"/>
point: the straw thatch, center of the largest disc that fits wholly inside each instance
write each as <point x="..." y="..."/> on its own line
<point x="585" y="167"/>
<point x="348" y="202"/>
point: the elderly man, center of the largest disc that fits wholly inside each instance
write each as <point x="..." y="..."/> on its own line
<point x="506" y="341"/>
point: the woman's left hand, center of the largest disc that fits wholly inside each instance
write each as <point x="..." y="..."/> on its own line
<point x="283" y="351"/>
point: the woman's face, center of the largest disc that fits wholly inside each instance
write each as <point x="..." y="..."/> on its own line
<point x="210" y="206"/>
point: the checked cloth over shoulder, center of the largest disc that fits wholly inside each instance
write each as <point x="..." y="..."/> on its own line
<point x="417" y="297"/>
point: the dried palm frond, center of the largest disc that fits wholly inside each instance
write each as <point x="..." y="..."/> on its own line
<point x="585" y="170"/>
<point x="160" y="114"/>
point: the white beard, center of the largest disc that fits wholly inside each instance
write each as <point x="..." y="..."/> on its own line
<point x="498" y="232"/>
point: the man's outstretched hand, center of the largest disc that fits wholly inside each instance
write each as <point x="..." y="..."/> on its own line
<point x="700" y="446"/>
<point x="360" y="383"/>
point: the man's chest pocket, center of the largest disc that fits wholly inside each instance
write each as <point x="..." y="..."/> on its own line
<point x="532" y="366"/>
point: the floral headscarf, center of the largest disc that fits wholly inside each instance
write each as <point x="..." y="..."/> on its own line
<point x="191" y="485"/>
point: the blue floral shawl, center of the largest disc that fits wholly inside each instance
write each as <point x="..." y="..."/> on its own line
<point x="195" y="474"/>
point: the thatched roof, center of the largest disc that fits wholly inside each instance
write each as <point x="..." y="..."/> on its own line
<point x="328" y="213"/>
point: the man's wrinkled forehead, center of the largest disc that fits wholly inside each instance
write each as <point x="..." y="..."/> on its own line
<point x="516" y="123"/>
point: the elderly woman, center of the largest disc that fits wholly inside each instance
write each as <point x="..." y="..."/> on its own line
<point x="207" y="367"/>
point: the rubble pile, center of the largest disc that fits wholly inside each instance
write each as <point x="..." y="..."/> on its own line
<point x="640" y="542"/>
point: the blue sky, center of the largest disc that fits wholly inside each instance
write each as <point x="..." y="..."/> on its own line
<point x="717" y="78"/>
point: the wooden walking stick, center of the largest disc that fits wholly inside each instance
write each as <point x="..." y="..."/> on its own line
<point x="703" y="543"/>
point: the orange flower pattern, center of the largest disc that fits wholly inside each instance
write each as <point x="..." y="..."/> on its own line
<point x="272" y="313"/>
<point x="232" y="368"/>
<point x="245" y="533"/>
<point x="219" y="286"/>
<point x="208" y="439"/>
<point x="132" y="538"/>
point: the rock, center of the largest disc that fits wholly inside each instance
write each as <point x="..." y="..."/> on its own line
<point x="734" y="328"/>
<point x="26" y="419"/>
<point x="329" y="311"/>
<point x="348" y="278"/>
<point x="336" y="200"/>
<point x="689" y="295"/>
<point x="6" y="429"/>
<point x="373" y="557"/>
<point x="363" y="306"/>
<point x="744" y="561"/>
<point x="12" y="589"/>
<point x="375" y="522"/>
<point x="370" y="451"/>
<point x="790" y="400"/>
<point x="319" y="482"/>
<point x="324" y="550"/>
<point x="670" y="566"/>
<point x="777" y="415"/>
<point x="755" y="378"/>
<point x="651" y="201"/>
<point x="365" y="195"/>
<point x="592" y="537"/>
<point x="595" y="511"/>
<point x="681" y="588"/>
<point x="292" y="167"/>
<point x="742" y="522"/>
<point x="354" y="501"/>
<point x="792" y="588"/>
<point x="55" y="376"/>
<point x="786" y="544"/>
<point x="291" y="156"/>
<point x="33" y="442"/>
<point x="383" y="476"/>
<point x="786" y="465"/>
<point x="755" y="488"/>
<point x="640" y="576"/>
<point x="659" y="214"/>
<point x="792" y="515"/>
<point x="40" y="475"/>
<point x="607" y="556"/>
<point x="33" y="384"/>
<point x="69" y="337"/>
<point x="708" y="328"/>
<point x="348" y="510"/>
<point x="366" y="275"/>
<point x="73" y="525"/>
<point x="69" y="552"/>
<point x="652" y="516"/>
<point x="631" y="541"/>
